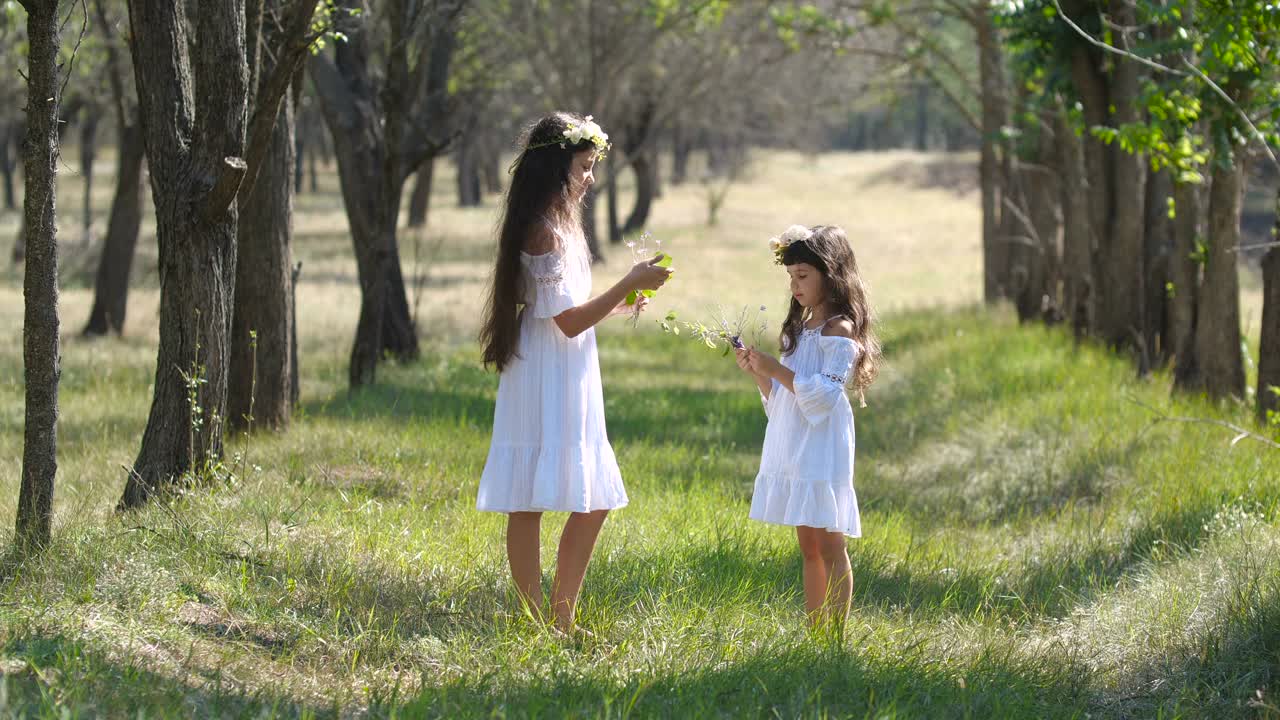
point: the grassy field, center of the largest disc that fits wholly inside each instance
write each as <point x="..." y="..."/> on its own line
<point x="1035" y="545"/>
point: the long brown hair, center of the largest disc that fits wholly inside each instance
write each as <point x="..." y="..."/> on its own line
<point x="539" y="192"/>
<point x="827" y="249"/>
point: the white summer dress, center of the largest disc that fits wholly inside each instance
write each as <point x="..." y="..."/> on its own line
<point x="806" y="467"/>
<point x="549" y="449"/>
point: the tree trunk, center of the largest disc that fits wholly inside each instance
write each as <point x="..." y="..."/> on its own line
<point x="680" y="151"/>
<point x="611" y="206"/>
<point x="995" y="104"/>
<point x="420" y="198"/>
<point x="589" y="224"/>
<point x="111" y="289"/>
<point x="260" y="377"/>
<point x="377" y="128"/>
<point x="1158" y="241"/>
<point x="1218" y="323"/>
<point x="295" y="385"/>
<point x="88" y="151"/>
<point x="642" y="164"/>
<point x="193" y="145"/>
<point x="40" y="353"/>
<point x="8" y="163"/>
<point x="20" y="242"/>
<point x="491" y="169"/>
<point x="1044" y="199"/>
<point x="384" y="324"/>
<point x="922" y="117"/>
<point x="1184" y="275"/>
<point x="1121" y="286"/>
<point x="1269" y="350"/>
<point x="468" y="175"/>
<point x="1077" y="230"/>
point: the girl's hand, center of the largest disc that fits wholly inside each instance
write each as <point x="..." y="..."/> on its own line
<point x="763" y="364"/>
<point x="744" y="360"/>
<point x="623" y="308"/>
<point x="647" y="275"/>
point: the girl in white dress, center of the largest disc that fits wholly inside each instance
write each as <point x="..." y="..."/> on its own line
<point x="550" y="450"/>
<point x="806" y="467"/>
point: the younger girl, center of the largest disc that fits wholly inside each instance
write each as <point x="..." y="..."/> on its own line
<point x="806" y="467"/>
<point x="549" y="449"/>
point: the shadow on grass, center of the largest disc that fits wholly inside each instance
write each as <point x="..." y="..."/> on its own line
<point x="61" y="677"/>
<point x="812" y="679"/>
<point x="1232" y="671"/>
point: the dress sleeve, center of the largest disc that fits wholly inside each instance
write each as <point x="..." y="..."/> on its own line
<point x="551" y="292"/>
<point x="818" y="394"/>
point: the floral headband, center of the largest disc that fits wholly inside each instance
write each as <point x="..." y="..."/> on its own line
<point x="577" y="133"/>
<point x="793" y="234"/>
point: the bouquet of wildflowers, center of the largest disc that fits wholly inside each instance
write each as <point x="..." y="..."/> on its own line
<point x="641" y="251"/>
<point x="724" y="327"/>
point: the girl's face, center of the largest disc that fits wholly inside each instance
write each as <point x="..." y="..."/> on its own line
<point x="808" y="286"/>
<point x="580" y="173"/>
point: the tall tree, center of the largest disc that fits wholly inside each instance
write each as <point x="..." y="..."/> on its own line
<point x="111" y="287"/>
<point x="40" y="351"/>
<point x="263" y="353"/>
<point x="1269" y="350"/>
<point x="193" y="99"/>
<point x="385" y="121"/>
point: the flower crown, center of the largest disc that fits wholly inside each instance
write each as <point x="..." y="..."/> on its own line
<point x="793" y="234"/>
<point x="578" y="132"/>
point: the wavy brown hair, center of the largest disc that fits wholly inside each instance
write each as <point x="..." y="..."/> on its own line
<point x="827" y="249"/>
<point x="539" y="190"/>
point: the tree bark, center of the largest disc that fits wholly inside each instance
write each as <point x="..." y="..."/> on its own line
<point x="20" y="242"/>
<point x="88" y="152"/>
<point x="922" y="117"/>
<point x="1121" y="276"/>
<point x="681" y="149"/>
<point x="642" y="165"/>
<point x="1158" y="242"/>
<point x="589" y="224"/>
<point x="420" y="198"/>
<point x="260" y="377"/>
<point x="380" y="136"/>
<point x="995" y="112"/>
<point x="1077" y="229"/>
<point x="1218" y="323"/>
<point x="1184" y="275"/>
<point x="611" y="206"/>
<point x="469" y="193"/>
<point x="1269" y="347"/>
<point x="193" y="144"/>
<point x="40" y="351"/>
<point x="111" y="289"/>
<point x="8" y="163"/>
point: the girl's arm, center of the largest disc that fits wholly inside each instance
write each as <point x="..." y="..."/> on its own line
<point x="644" y="275"/>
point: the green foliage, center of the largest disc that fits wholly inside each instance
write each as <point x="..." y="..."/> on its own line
<point x="327" y="21"/>
<point x="1233" y="44"/>
<point x="799" y="23"/>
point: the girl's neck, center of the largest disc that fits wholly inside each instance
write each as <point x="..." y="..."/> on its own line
<point x="820" y="314"/>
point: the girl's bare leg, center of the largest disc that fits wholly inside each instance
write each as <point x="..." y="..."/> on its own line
<point x="835" y="558"/>
<point x="576" y="544"/>
<point x="523" y="548"/>
<point x="815" y="571"/>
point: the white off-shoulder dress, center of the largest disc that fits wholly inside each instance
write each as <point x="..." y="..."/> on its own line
<point x="806" y="467"/>
<point x="549" y="449"/>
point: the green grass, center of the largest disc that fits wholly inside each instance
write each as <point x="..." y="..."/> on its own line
<point x="1035" y="547"/>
